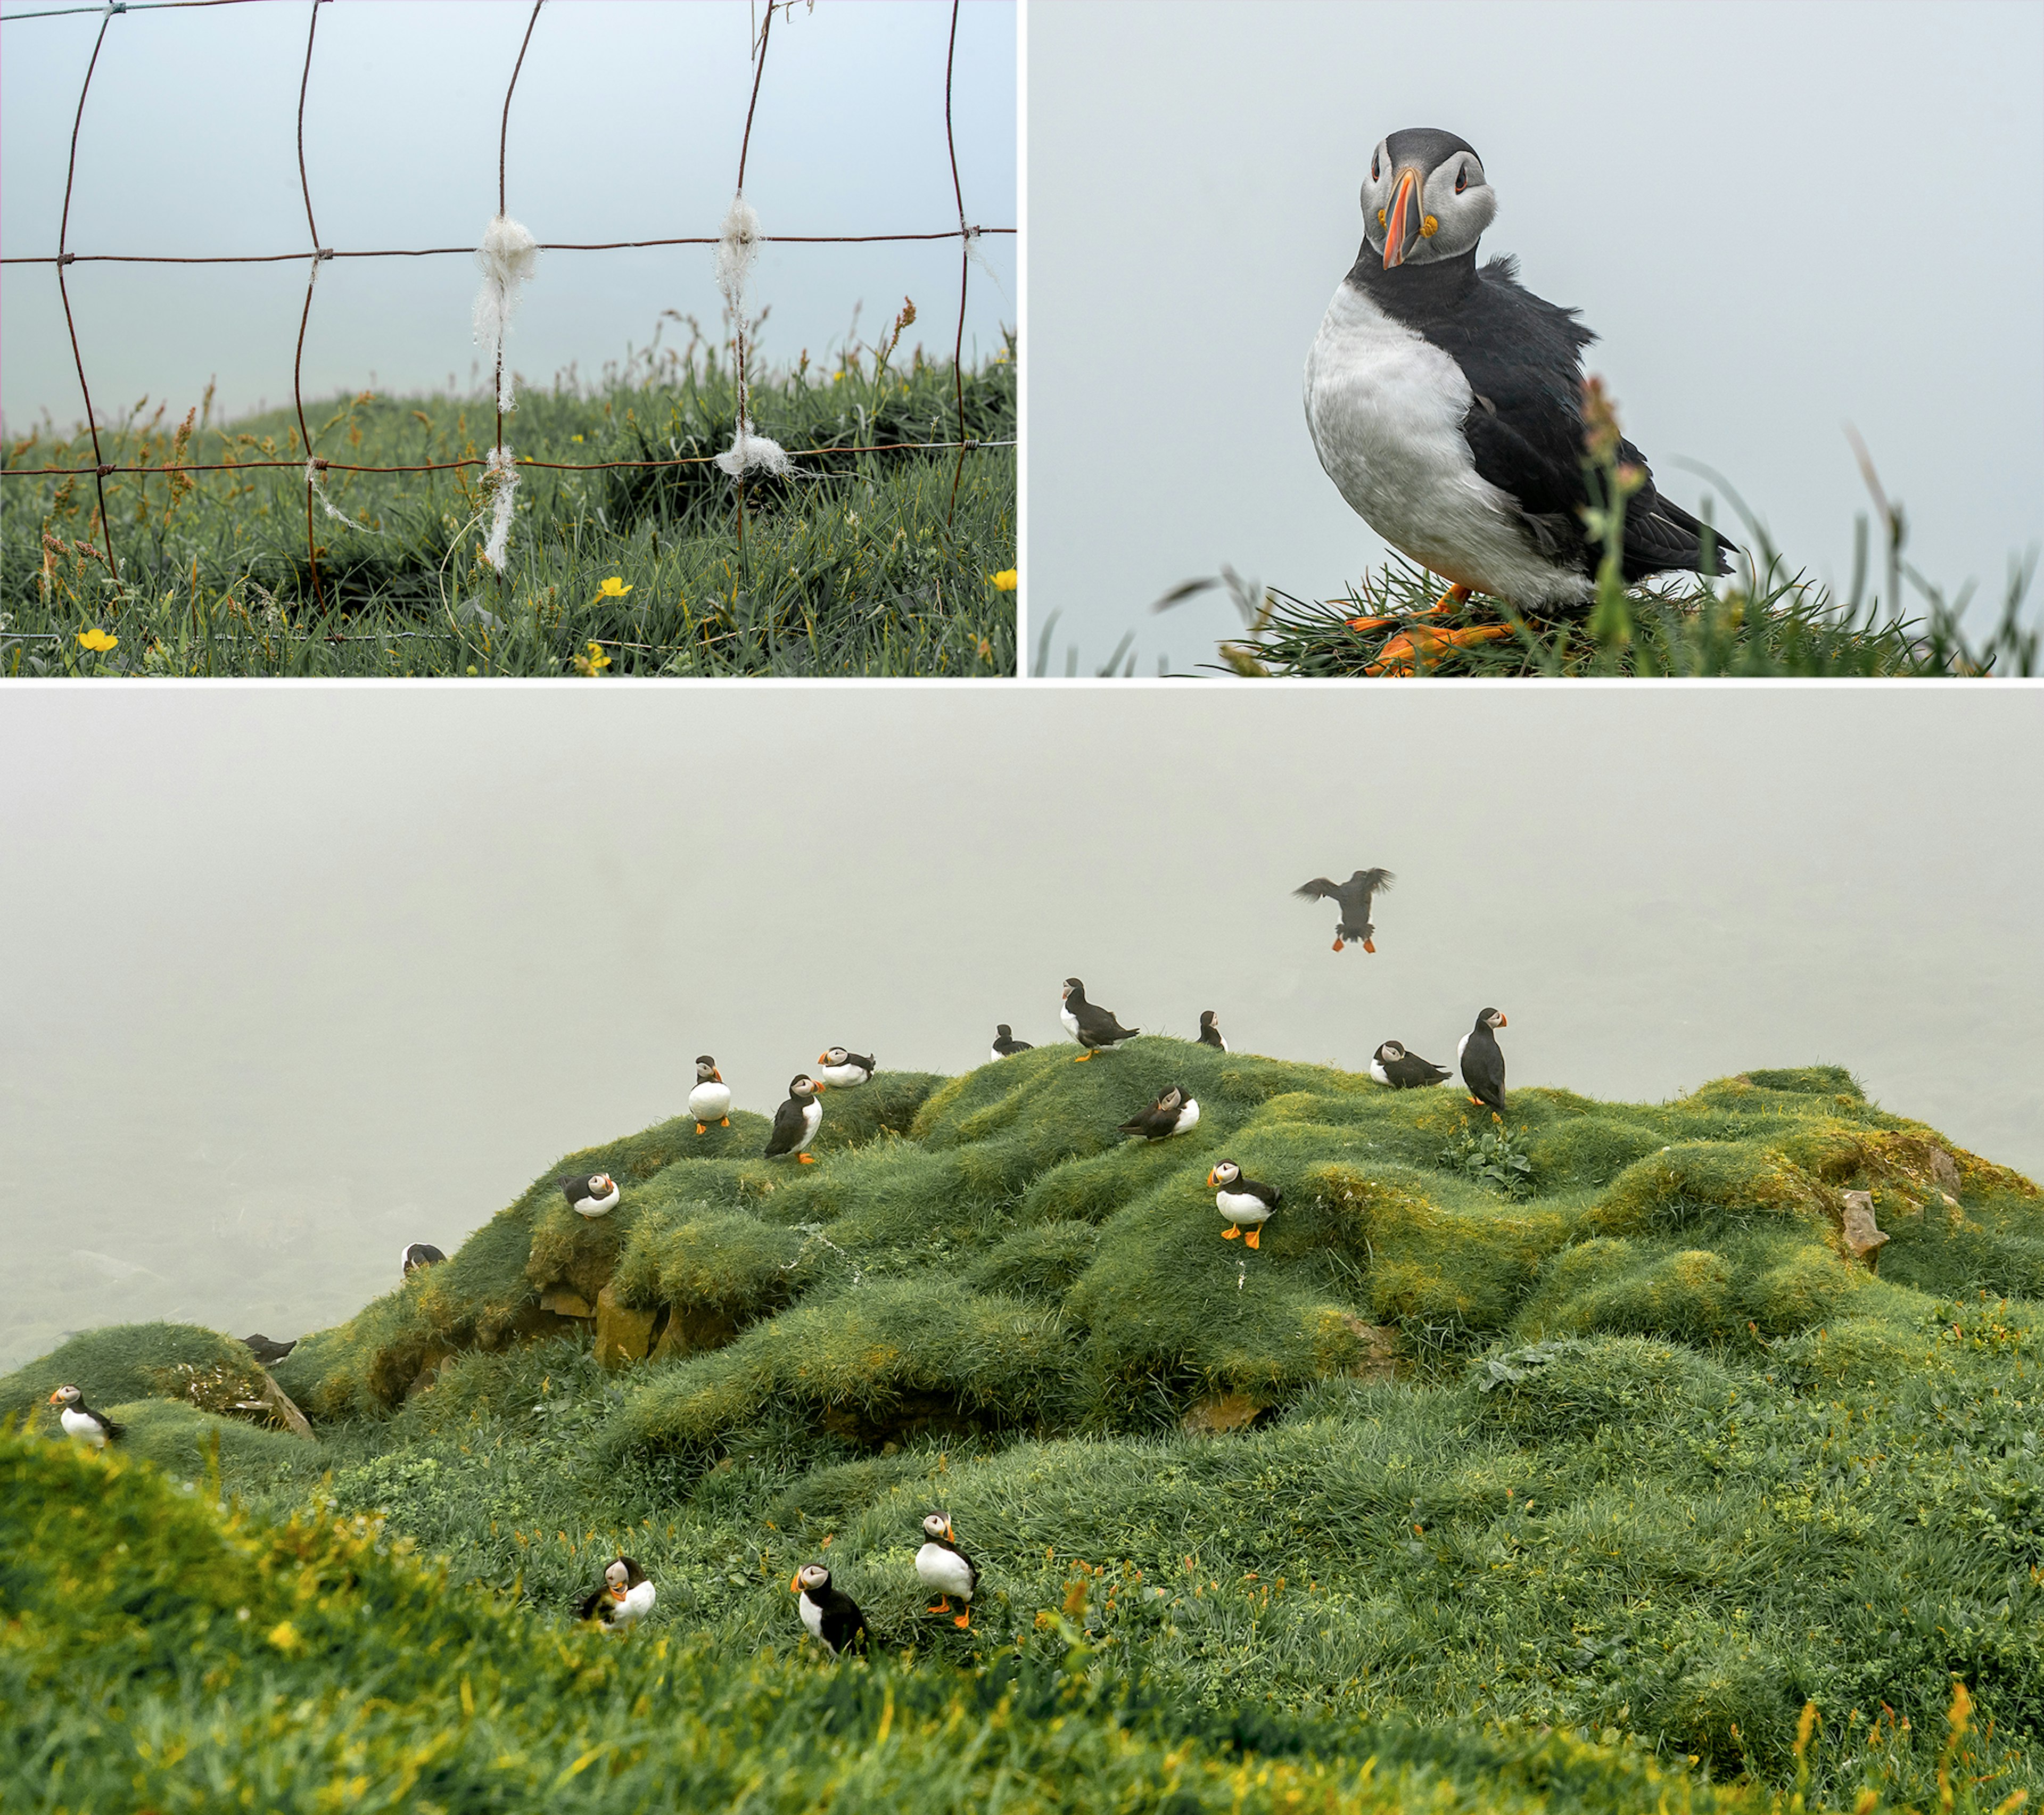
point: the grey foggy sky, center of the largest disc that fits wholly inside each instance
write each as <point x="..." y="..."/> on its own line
<point x="310" y="973"/>
<point x="1776" y="217"/>
<point x="626" y="124"/>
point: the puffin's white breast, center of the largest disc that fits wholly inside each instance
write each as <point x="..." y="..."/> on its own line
<point x="1377" y="1071"/>
<point x="710" y="1102"/>
<point x="638" y="1602"/>
<point x="1385" y="408"/>
<point x="844" y="1077"/>
<point x="601" y="1206"/>
<point x="77" y="1425"/>
<point x="1459" y="1044"/>
<point x="944" y="1570"/>
<point x="1243" y="1206"/>
<point x="1070" y="1020"/>
<point x="813" y="1114"/>
<point x="1188" y="1116"/>
<point x="813" y="1616"/>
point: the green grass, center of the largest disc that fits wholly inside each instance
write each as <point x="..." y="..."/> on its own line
<point x="864" y="565"/>
<point x="1662" y="1468"/>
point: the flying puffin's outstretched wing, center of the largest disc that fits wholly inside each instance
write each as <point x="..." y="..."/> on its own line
<point x="1320" y="889"/>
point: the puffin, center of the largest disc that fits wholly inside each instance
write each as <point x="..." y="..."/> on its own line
<point x="1241" y="1201"/>
<point x="945" y="1570"/>
<point x="621" y="1600"/>
<point x="1095" y="1029"/>
<point x="1446" y="401"/>
<point x="831" y="1615"/>
<point x="1483" y="1060"/>
<point x="80" y="1420"/>
<point x="1171" y="1114"/>
<point x="796" y="1121"/>
<point x="265" y="1351"/>
<point x="843" y="1070"/>
<point x="1354" y="894"/>
<point x="594" y="1195"/>
<point x="1005" y="1045"/>
<point x="1402" y="1070"/>
<point x="1210" y="1031"/>
<point x="419" y="1254"/>
<point x="710" y="1101"/>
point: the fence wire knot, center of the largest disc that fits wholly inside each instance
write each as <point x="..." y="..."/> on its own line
<point x="316" y="466"/>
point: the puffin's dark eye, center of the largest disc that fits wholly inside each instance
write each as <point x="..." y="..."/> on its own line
<point x="1373" y="168"/>
<point x="1461" y="179"/>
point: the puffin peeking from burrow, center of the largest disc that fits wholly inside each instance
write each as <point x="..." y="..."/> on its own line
<point x="621" y="1600"/>
<point x="593" y="1194"/>
<point x="1353" y="926"/>
<point x="945" y="1569"/>
<point x="1005" y="1045"/>
<point x="843" y="1070"/>
<point x="1094" y="1028"/>
<point x="80" y="1420"/>
<point x="1245" y="1202"/>
<point x="1173" y="1113"/>
<point x="419" y="1254"/>
<point x="710" y="1100"/>
<point x="830" y="1614"/>
<point x="1392" y="1065"/>
<point x="1482" y="1060"/>
<point x="1210" y="1034"/>
<point x="1445" y="401"/>
<point x="796" y="1121"/>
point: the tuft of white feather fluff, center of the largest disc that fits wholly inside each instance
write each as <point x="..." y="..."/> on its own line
<point x="500" y="479"/>
<point x="318" y="484"/>
<point x="506" y="259"/>
<point x="737" y="248"/>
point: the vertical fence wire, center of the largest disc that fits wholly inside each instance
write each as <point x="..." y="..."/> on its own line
<point x="503" y="140"/>
<point x="738" y="327"/>
<point x="64" y="259"/>
<point x="965" y="268"/>
<point x="312" y="280"/>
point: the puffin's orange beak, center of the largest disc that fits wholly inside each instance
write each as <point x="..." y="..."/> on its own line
<point x="717" y="1075"/>
<point x="795" y="1582"/>
<point x="823" y="1058"/>
<point x="55" y="1396"/>
<point x="821" y="1086"/>
<point x="1210" y="1180"/>
<point x="1401" y="219"/>
<point x="1502" y="1021"/>
<point x="949" y="1533"/>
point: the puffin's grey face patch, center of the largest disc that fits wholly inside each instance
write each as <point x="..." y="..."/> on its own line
<point x="1228" y="1172"/>
<point x="1391" y="1049"/>
<point x="934" y="1525"/>
<point x="813" y="1576"/>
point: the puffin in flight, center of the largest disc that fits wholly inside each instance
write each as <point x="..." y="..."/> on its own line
<point x="945" y="1570"/>
<point x="1210" y="1034"/>
<point x="1243" y="1202"/>
<point x="796" y="1121"/>
<point x="842" y="1070"/>
<point x="593" y="1194"/>
<point x="830" y="1614"/>
<point x="710" y="1100"/>
<point x="1171" y="1114"/>
<point x="1353" y="896"/>
<point x="95" y="1430"/>
<point x="1094" y="1028"/>
<point x="417" y="1255"/>
<point x="621" y="1600"/>
<point x="1445" y="401"/>
<point x="1392" y="1065"/>
<point x="1483" y="1060"/>
<point x="1005" y="1045"/>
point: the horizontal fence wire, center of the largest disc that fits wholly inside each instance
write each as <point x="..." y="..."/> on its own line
<point x="102" y="470"/>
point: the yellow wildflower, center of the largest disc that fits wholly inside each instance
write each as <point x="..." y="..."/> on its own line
<point x="1006" y="580"/>
<point x="97" y="639"/>
<point x="284" y="1636"/>
<point x="594" y="662"/>
<point x="613" y="588"/>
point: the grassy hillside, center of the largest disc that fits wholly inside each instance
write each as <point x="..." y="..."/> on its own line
<point x="1587" y="1467"/>
<point x="860" y="566"/>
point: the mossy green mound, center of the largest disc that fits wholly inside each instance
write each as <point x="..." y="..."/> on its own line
<point x="123" y="1362"/>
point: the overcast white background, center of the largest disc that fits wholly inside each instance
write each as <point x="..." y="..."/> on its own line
<point x="299" y="975"/>
<point x="1777" y="217"/>
<point x="626" y="124"/>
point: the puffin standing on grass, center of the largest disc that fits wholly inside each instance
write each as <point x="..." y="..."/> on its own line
<point x="710" y="1101"/>
<point x="1005" y="1045"/>
<point x="621" y="1600"/>
<point x="945" y="1570"/>
<point x="1402" y="1070"/>
<point x="417" y="1255"/>
<point x="79" y="1420"/>
<point x="1210" y="1034"/>
<point x="1173" y="1113"/>
<point x="1483" y="1060"/>
<point x="1245" y="1202"/>
<point x="1094" y="1028"/>
<point x="843" y="1070"/>
<point x="1353" y="926"/>
<point x="831" y="1615"/>
<point x="1446" y="402"/>
<point x="595" y="1193"/>
<point x="796" y="1121"/>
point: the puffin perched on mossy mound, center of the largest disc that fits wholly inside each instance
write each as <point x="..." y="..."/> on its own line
<point x="1247" y="1203"/>
<point x="418" y="1254"/>
<point x="1005" y="1045"/>
<point x="591" y="1194"/>
<point x="796" y="1121"/>
<point x="1093" y="1027"/>
<point x="621" y="1600"/>
<point x="1482" y="1060"/>
<point x="1210" y="1033"/>
<point x="79" y="1420"/>
<point x="1173" y="1113"/>
<point x="1391" y="1063"/>
<point x="843" y="1070"/>
<point x="710" y="1100"/>
<point x="830" y="1614"/>
<point x="945" y="1570"/>
<point x="1446" y="402"/>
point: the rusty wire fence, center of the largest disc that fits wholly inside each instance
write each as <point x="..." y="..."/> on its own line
<point x="737" y="239"/>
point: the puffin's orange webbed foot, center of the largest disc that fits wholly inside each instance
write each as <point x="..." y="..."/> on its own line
<point x="1452" y="600"/>
<point x="702" y="1128"/>
<point x="964" y="1620"/>
<point x="1424" y="643"/>
<point x="1253" y="1238"/>
<point x="807" y="1159"/>
<point x="1229" y="1234"/>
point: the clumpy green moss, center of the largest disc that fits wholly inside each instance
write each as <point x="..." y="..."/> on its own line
<point x="120" y="1363"/>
